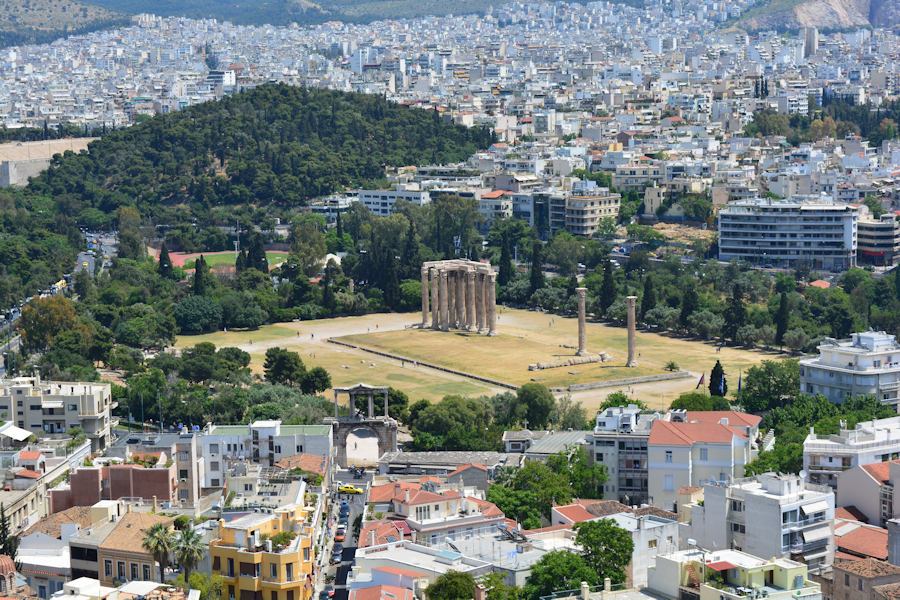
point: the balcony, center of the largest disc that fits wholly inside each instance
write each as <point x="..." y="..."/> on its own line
<point x="800" y="524"/>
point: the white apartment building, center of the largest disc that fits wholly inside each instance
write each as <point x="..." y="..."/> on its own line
<point x="827" y="456"/>
<point x="870" y="489"/>
<point x="47" y="408"/>
<point x="697" y="451"/>
<point x="381" y="202"/>
<point x="262" y="442"/>
<point x="866" y="364"/>
<point x="789" y="233"/>
<point x="879" y="240"/>
<point x="619" y="443"/>
<point x="768" y="515"/>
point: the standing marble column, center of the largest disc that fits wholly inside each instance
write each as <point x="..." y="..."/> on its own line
<point x="630" y="302"/>
<point x="425" y="308"/>
<point x="470" y="299"/>
<point x="491" y="283"/>
<point x="479" y="301"/>
<point x="371" y="405"/>
<point x="336" y="406"/>
<point x="443" y="292"/>
<point x="581" y="321"/>
<point x="461" y="300"/>
<point x="386" y="413"/>
<point x="435" y="304"/>
<point x="451" y="299"/>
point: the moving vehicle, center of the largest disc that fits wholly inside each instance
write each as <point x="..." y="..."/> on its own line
<point x="349" y="489"/>
<point x="340" y="535"/>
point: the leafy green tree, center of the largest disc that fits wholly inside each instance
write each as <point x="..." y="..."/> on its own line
<point x="608" y="291"/>
<point x="606" y="548"/>
<point x="497" y="588"/>
<point x="200" y="283"/>
<point x="558" y="570"/>
<point x="520" y="505"/>
<point x="539" y="403"/>
<point x="506" y="266"/>
<point x="620" y="398"/>
<point x="159" y="542"/>
<point x="782" y="318"/>
<point x="735" y="315"/>
<point x="315" y="381"/>
<point x="44" y="318"/>
<point x="283" y="367"/>
<point x="586" y="478"/>
<point x="770" y="384"/>
<point x="718" y="386"/>
<point x="452" y="585"/>
<point x="648" y="298"/>
<point x="537" y="261"/>
<point x="164" y="267"/>
<point x="308" y="246"/>
<point x="569" y="414"/>
<point x="690" y="303"/>
<point x="699" y="401"/>
<point x="197" y="314"/>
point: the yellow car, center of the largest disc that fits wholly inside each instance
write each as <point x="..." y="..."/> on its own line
<point x="349" y="489"/>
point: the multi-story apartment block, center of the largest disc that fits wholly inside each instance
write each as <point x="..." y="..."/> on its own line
<point x="879" y="240"/>
<point x="619" y="443"/>
<point x="827" y="456"/>
<point x="262" y="442"/>
<point x="266" y="556"/>
<point x="789" y="233"/>
<point x="704" y="447"/>
<point x="47" y="408"/>
<point x="381" y="202"/>
<point x="585" y="213"/>
<point x="866" y="364"/>
<point x="638" y="175"/>
<point x="767" y="515"/>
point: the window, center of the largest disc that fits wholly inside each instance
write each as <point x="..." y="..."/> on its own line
<point x="146" y="572"/>
<point x="859" y="584"/>
<point x="704" y="454"/>
<point x="737" y="506"/>
<point x="668" y="456"/>
<point x="214" y="482"/>
<point x="668" y="483"/>
<point x="107" y="568"/>
<point x="598" y="458"/>
<point x="290" y="595"/>
<point x="73" y="407"/>
<point x="230" y="592"/>
<point x="306" y="554"/>
<point x="300" y="448"/>
<point x="182" y="474"/>
<point x="231" y="571"/>
<point x="846" y="579"/>
<point x="274" y="595"/>
<point x="289" y="574"/>
<point x="273" y="570"/>
<point x="214" y="465"/>
<point x="134" y="571"/>
<point x="213" y="448"/>
<point x="651" y="543"/>
<point x="248" y="487"/>
<point x="120" y="569"/>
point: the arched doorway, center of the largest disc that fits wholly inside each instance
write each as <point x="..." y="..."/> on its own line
<point x="362" y="447"/>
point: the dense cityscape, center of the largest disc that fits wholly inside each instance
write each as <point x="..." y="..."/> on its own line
<point x="594" y="301"/>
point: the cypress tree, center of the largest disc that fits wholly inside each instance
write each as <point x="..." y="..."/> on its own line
<point x="648" y="298"/>
<point x="735" y="313"/>
<point x="339" y="225"/>
<point x="410" y="260"/>
<point x="240" y="263"/>
<point x="897" y="282"/>
<point x="718" y="386"/>
<point x="256" y="256"/>
<point x="164" y="268"/>
<point x="201" y="270"/>
<point x="537" y="260"/>
<point x="608" y="291"/>
<point x="506" y="265"/>
<point x="781" y="319"/>
<point x="9" y="543"/>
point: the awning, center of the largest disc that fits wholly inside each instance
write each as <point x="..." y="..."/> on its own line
<point x="819" y="533"/>
<point x="16" y="433"/>
<point x="814" y="507"/>
<point x="722" y="565"/>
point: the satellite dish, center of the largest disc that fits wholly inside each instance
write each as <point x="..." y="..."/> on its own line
<point x="803" y="474"/>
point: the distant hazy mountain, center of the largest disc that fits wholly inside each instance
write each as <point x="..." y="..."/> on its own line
<point x="824" y="14"/>
<point x="283" y="12"/>
<point x="38" y="21"/>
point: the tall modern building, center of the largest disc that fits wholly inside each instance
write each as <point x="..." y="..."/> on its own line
<point x="866" y="364"/>
<point x="619" y="443"/>
<point x="789" y="233"/>
<point x="879" y="240"/>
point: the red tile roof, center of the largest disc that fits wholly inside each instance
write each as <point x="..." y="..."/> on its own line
<point x="849" y="513"/>
<point x="29" y="455"/>
<point x="382" y="592"/>
<point x="864" y="541"/>
<point x="574" y="513"/>
<point x="734" y="417"/>
<point x="666" y="433"/>
<point x="385" y="531"/>
<point x="494" y="194"/>
<point x="389" y="491"/>
<point x="462" y="468"/>
<point x="819" y="283"/>
<point x="28" y="474"/>
<point x="488" y="509"/>
<point x="880" y="472"/>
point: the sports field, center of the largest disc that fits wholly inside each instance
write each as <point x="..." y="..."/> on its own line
<point x="219" y="259"/>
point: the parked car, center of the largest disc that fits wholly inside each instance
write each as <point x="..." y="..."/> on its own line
<point x="349" y="489"/>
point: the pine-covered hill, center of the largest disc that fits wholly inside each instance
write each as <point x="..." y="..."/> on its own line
<point x="274" y="145"/>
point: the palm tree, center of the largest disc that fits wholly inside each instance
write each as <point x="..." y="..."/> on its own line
<point x="159" y="542"/>
<point x="189" y="550"/>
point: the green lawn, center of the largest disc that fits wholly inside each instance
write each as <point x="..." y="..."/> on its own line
<point x="221" y="259"/>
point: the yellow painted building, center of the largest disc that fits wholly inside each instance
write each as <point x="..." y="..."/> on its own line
<point x="264" y="556"/>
